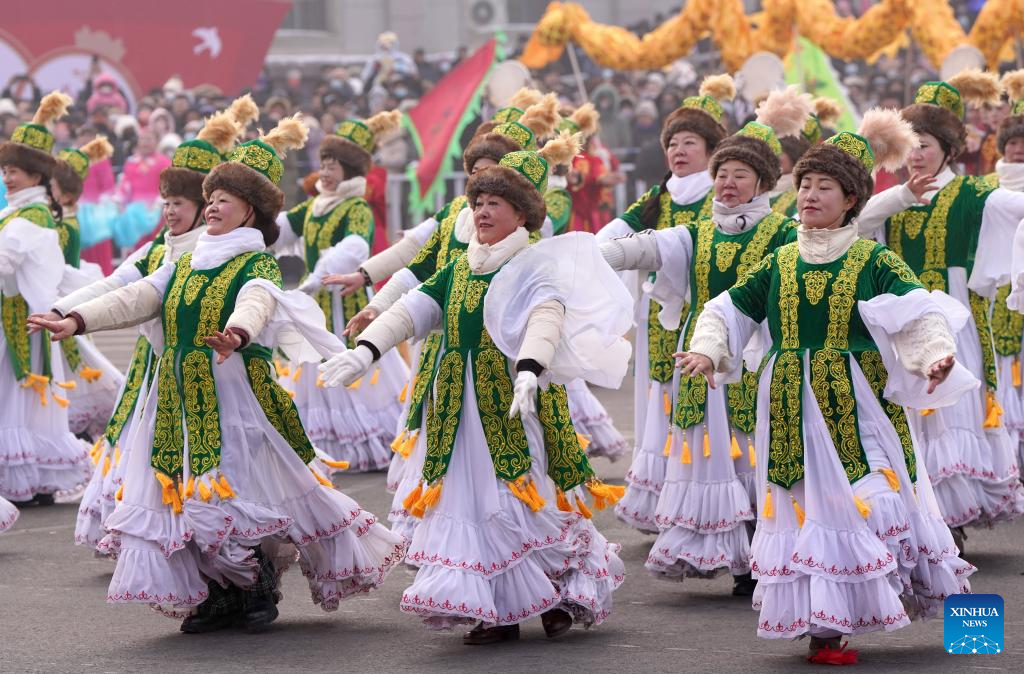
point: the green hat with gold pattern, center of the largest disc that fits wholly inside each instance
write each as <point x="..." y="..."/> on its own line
<point x="31" y="145"/>
<point x="194" y="159"/>
<point x="354" y="141"/>
<point x="702" y="114"/>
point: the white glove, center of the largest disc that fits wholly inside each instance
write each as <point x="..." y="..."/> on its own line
<point x="346" y="367"/>
<point x="524" y="398"/>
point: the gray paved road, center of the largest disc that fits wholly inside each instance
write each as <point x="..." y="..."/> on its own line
<point x="53" y="617"/>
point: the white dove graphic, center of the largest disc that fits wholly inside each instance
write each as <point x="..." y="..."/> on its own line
<point x="209" y="40"/>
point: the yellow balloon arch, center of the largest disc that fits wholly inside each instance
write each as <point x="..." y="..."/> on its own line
<point x="931" y="23"/>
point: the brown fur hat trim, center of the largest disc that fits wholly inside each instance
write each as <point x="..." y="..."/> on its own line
<point x="182" y="182"/>
<point x="1010" y="127"/>
<point x="26" y="158"/>
<point x="68" y="179"/>
<point x="346" y="152"/>
<point x="753" y="152"/>
<point x="513" y="187"/>
<point x="846" y="169"/>
<point x="939" y="122"/>
<point x="794" y="147"/>
<point x="252" y="187"/>
<point x="696" y="121"/>
<point x="490" y="145"/>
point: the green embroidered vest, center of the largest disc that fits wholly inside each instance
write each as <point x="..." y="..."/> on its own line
<point x="197" y="303"/>
<point x="785" y="203"/>
<point x="661" y="343"/>
<point x="559" y="203"/>
<point x="141" y="362"/>
<point x="71" y="245"/>
<point x="350" y="217"/>
<point x="718" y="260"/>
<point x="944" y="233"/>
<point x="1007" y="326"/>
<point x="810" y="310"/>
<point x="14" y="308"/>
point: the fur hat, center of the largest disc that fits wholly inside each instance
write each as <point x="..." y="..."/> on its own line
<point x="254" y="170"/>
<point x="72" y="165"/>
<point x="1013" y="125"/>
<point x="521" y="177"/>
<point x="490" y="145"/>
<point x="31" y="144"/>
<point x="884" y="140"/>
<point x="702" y="114"/>
<point x="355" y="140"/>
<point x="939" y="107"/>
<point x="193" y="159"/>
<point x="752" y="151"/>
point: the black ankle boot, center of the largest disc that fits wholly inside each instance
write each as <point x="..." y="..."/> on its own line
<point x="743" y="585"/>
<point x="483" y="636"/>
<point x="221" y="610"/>
<point x="259" y="599"/>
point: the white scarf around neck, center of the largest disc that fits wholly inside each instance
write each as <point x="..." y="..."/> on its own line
<point x="785" y="184"/>
<point x="821" y="246"/>
<point x="23" y="198"/>
<point x="689" y="189"/>
<point x="176" y="245"/>
<point x="214" y="250"/>
<point x="557" y="182"/>
<point x="1011" y="176"/>
<point x="736" y="219"/>
<point x="346" y="189"/>
<point x="484" y="258"/>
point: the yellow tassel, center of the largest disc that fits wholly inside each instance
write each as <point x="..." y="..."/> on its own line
<point x="563" y="502"/>
<point x="396" y="444"/>
<point x="404" y="394"/>
<point x="67" y="385"/>
<point x="204" y="491"/>
<point x="63" y="402"/>
<point x="117" y="454"/>
<point x="707" y="445"/>
<point x="170" y="493"/>
<point x="585" y="441"/>
<point x="291" y="394"/>
<point x="319" y="381"/>
<point x="800" y="515"/>
<point x="605" y="494"/>
<point x="90" y="374"/>
<point x="410" y="501"/>
<point x="336" y="465"/>
<point x="354" y="386"/>
<point x="668" y="445"/>
<point x="181" y="491"/>
<point x="536" y="502"/>
<point x="992" y="411"/>
<point x="321" y="479"/>
<point x="1015" y="371"/>
<point x="408" y="445"/>
<point x="735" y="452"/>
<point x="96" y="452"/>
<point x="769" y="508"/>
<point x="375" y="378"/>
<point x="863" y="508"/>
<point x="281" y="369"/>
<point x="190" y="487"/>
<point x="298" y="373"/>
<point x="106" y="465"/>
<point x="119" y="494"/>
<point x="431" y="497"/>
<point x="583" y="509"/>
<point x="518" y="489"/>
<point x="890" y="476"/>
<point x="686" y="459"/>
<point x="668" y="403"/>
<point x="927" y="413"/>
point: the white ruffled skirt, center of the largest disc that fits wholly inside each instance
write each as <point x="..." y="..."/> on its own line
<point x="92" y="402"/>
<point x="167" y="559"/>
<point x="593" y="422"/>
<point x="707" y="507"/>
<point x="38" y="454"/>
<point x="8" y="514"/>
<point x="1011" y="399"/>
<point x="842" y="573"/>
<point x="483" y="555"/>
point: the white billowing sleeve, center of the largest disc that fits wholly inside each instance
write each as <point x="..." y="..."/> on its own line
<point x="883" y="206"/>
<point x="721" y="334"/>
<point x="125" y="273"/>
<point x="547" y="230"/>
<point x="910" y="337"/>
<point x="253" y="310"/>
<point x="638" y="250"/>
<point x="130" y="305"/>
<point x="30" y="257"/>
<point x="400" y="254"/>
<point x="398" y="285"/>
<point x="543" y="332"/>
<point x="1015" y="300"/>
<point x="341" y="258"/>
<point x="288" y="242"/>
<point x="615" y="229"/>
<point x="994" y="255"/>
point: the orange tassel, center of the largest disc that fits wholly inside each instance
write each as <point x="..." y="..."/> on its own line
<point x="376" y="377"/>
<point x="298" y="373"/>
<point x="583" y="509"/>
<point x="536" y="502"/>
<point x="735" y="452"/>
<point x="319" y="478"/>
<point x="1015" y="371"/>
<point x="354" y="386"/>
<point x="583" y="440"/>
<point x="169" y="494"/>
<point x="404" y="394"/>
<point x="117" y="454"/>
<point x="668" y="445"/>
<point x="668" y="404"/>
<point x="67" y="385"/>
<point x="751" y="456"/>
<point x="799" y="513"/>
<point x="320" y="381"/>
<point x="686" y="459"/>
<point x="119" y="494"/>
<point x="336" y="465"/>
<point x="413" y="497"/>
<point x="769" y="508"/>
<point x="409" y="445"/>
<point x="396" y="444"/>
<point x="563" y="502"/>
<point x="106" y="465"/>
<point x="605" y="494"/>
<point x="431" y="497"/>
<point x="927" y="413"/>
<point x="993" y="411"/>
<point x="204" y="491"/>
<point x="291" y="394"/>
<point x="63" y="402"/>
<point x="890" y="477"/>
<point x="90" y="374"/>
<point x="863" y="508"/>
<point x="707" y="445"/>
<point x="190" y="487"/>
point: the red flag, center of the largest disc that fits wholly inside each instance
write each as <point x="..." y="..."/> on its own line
<point x="436" y="122"/>
<point x="142" y="43"/>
